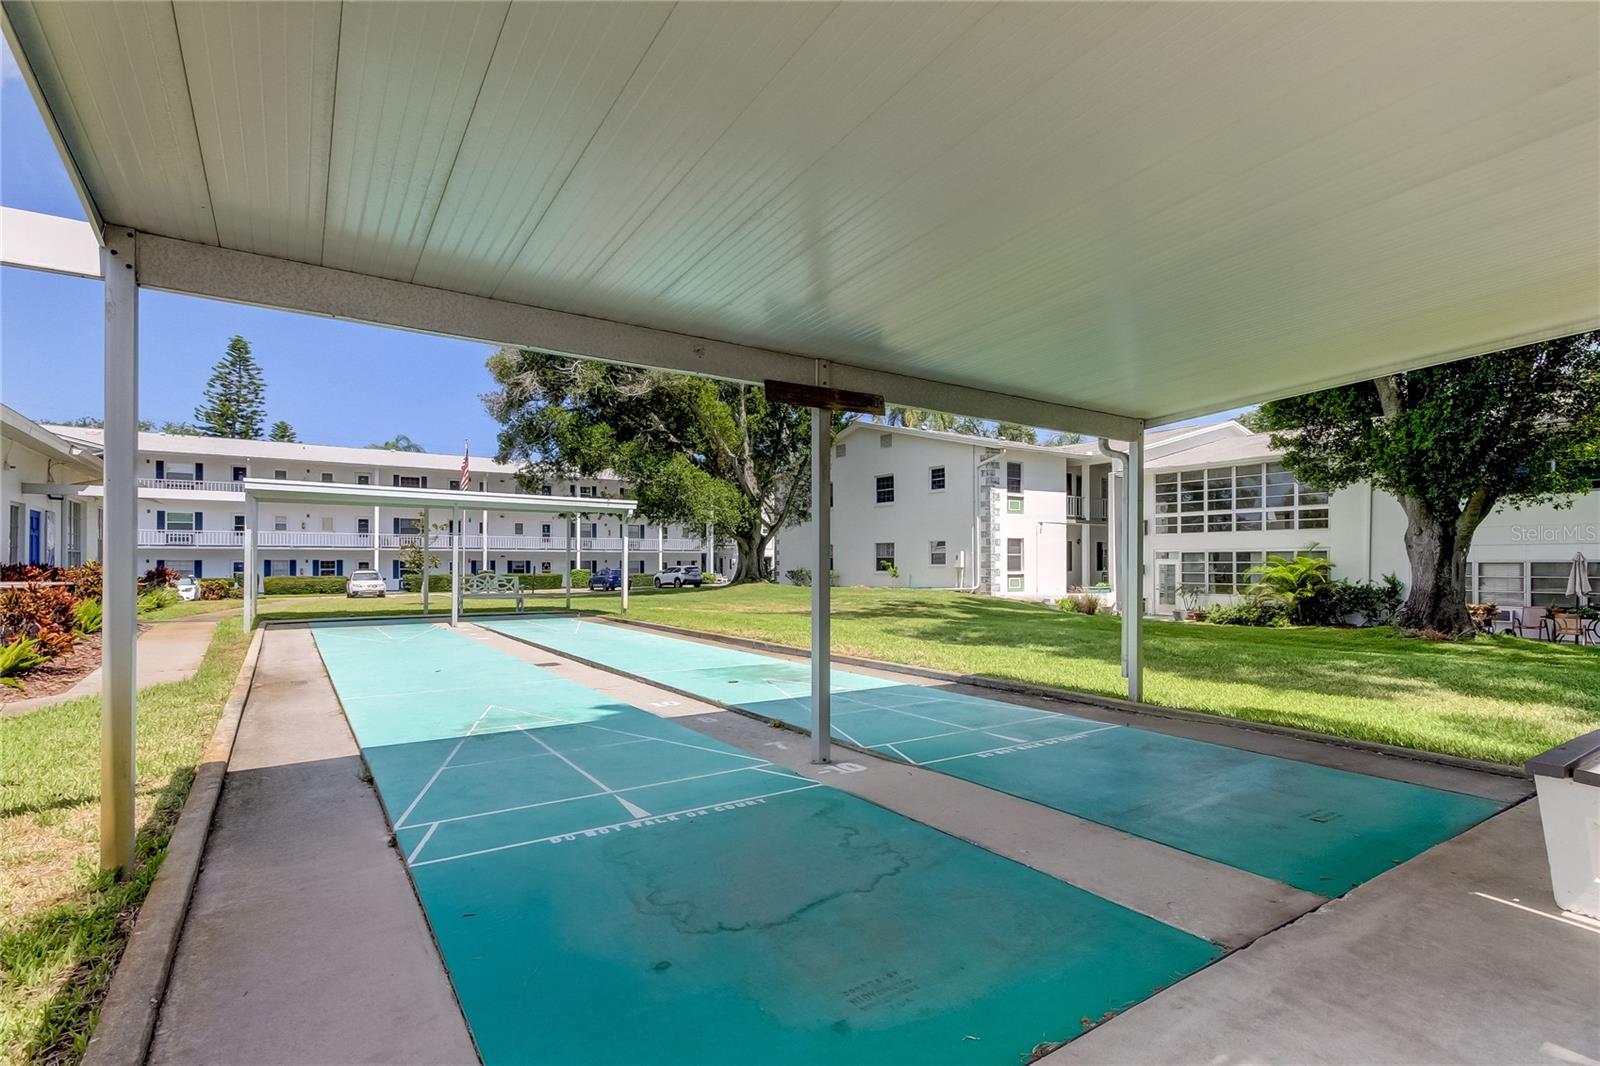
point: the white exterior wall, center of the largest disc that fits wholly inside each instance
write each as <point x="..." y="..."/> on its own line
<point x="25" y="465"/>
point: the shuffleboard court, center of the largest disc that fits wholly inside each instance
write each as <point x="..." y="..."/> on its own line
<point x="607" y="886"/>
<point x="1318" y="829"/>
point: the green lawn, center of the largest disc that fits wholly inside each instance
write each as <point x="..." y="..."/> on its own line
<point x="190" y="608"/>
<point x="63" y="924"/>
<point x="1502" y="699"/>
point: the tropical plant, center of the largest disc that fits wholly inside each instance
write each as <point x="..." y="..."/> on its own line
<point x="1253" y="611"/>
<point x="87" y="616"/>
<point x="1452" y="443"/>
<point x="800" y="575"/>
<point x="1016" y="431"/>
<point x="155" y="599"/>
<point x="88" y="580"/>
<point x="282" y="432"/>
<point x="17" y="657"/>
<point x="1295" y="583"/>
<point x="234" y="403"/>
<point x="158" y="577"/>
<point x="399" y="443"/>
<point x="1483" y="616"/>
<point x="42" y="612"/>
<point x="220" y="588"/>
<point x="1375" y="602"/>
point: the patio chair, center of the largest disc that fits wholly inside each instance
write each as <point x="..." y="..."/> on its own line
<point x="1564" y="624"/>
<point x="1534" y="621"/>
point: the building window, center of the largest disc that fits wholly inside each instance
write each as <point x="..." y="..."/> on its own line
<point x="1501" y="583"/>
<point x="327" y="524"/>
<point x="546" y="490"/>
<point x="363" y="479"/>
<point x="544" y="530"/>
<point x="455" y="484"/>
<point x="1243" y="499"/>
<point x="884" y="488"/>
<point x="363" y="525"/>
<point x="586" y="490"/>
<point x="883" y="556"/>
<point x="1014" y="576"/>
<point x="936" y="553"/>
<point x="325" y="567"/>
<point x="838" y="451"/>
<point x="518" y="566"/>
<point x="936" y="479"/>
<point x="280" y="523"/>
<point x="516" y="529"/>
<point x="408" y="481"/>
<point x="886" y="440"/>
<point x="238" y="523"/>
<point x="182" y="521"/>
<point x="1013" y="477"/>
<point x="327" y="478"/>
<point x="1013" y="505"/>
<point x="544" y="567"/>
<point x="280" y="475"/>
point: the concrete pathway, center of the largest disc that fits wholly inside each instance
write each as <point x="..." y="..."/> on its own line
<point x="304" y="942"/>
<point x="168" y="651"/>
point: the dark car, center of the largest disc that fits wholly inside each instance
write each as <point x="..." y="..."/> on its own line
<point x="605" y="580"/>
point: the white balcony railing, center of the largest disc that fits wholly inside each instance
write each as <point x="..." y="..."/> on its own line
<point x="184" y="538"/>
<point x="1081" y="507"/>
<point x="170" y="484"/>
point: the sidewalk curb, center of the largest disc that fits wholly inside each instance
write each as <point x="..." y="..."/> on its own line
<point x="128" y="1016"/>
<point x="1109" y="702"/>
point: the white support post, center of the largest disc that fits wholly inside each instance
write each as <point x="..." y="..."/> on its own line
<point x="252" y="519"/>
<point x="458" y="558"/>
<point x="376" y="534"/>
<point x="661" y="547"/>
<point x="1085" y="531"/>
<point x="572" y="564"/>
<point x="118" y="704"/>
<point x="427" y="555"/>
<point x="624" y="588"/>
<point x="821" y="588"/>
<point x="484" y="536"/>
<point x="1133" y="567"/>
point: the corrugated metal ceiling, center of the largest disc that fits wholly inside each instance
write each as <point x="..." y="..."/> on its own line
<point x="1142" y="209"/>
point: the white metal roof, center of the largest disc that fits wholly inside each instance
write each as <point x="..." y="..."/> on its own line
<point x="21" y="429"/>
<point x="1135" y="210"/>
<point x="271" y="490"/>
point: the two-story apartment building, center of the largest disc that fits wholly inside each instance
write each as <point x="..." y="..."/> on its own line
<point x="48" y="488"/>
<point x="191" y="509"/>
<point x="945" y="510"/>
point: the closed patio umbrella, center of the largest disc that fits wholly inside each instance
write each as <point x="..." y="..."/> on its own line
<point x="1578" y="581"/>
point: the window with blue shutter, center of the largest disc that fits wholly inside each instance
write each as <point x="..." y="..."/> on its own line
<point x="199" y="472"/>
<point x="266" y="568"/>
<point x="395" y="569"/>
<point x="199" y="521"/>
<point x="338" y="568"/>
<point x="238" y="473"/>
<point x="197" y="568"/>
<point x="291" y="566"/>
<point x="161" y="469"/>
<point x="161" y="520"/>
<point x="474" y="566"/>
<point x="161" y="564"/>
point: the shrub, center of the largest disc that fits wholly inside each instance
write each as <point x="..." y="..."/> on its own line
<point x="158" y="577"/>
<point x="800" y="575"/>
<point x="88" y="580"/>
<point x="41" y="612"/>
<point x="220" y="588"/>
<point x="1375" y="601"/>
<point x="1300" y="584"/>
<point x="86" y="617"/>
<point x="18" y="657"/>
<point x="1255" y="611"/>
<point x="1482" y="615"/>
<point x="303" y="585"/>
<point x="155" y="599"/>
<point x="641" y="581"/>
<point x="580" y="577"/>
<point x="413" y="582"/>
<point x="29" y="572"/>
<point x="1081" y="603"/>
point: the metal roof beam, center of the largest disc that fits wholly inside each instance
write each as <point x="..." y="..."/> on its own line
<point x="265" y="281"/>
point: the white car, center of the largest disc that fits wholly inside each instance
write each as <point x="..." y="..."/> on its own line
<point x="188" y="588"/>
<point x="678" y="576"/>
<point x="365" y="583"/>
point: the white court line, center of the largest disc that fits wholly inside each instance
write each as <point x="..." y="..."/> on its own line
<point x="1042" y="741"/>
<point x="532" y="754"/>
<point x="679" y="743"/>
<point x="464" y="687"/>
<point x="631" y="808"/>
<point x="399" y="823"/>
<point x="966" y="729"/>
<point x="618" y="825"/>
<point x="900" y="753"/>
<point x="421" y="844"/>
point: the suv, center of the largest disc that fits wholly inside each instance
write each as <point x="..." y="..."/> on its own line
<point x="678" y="576"/>
<point x="605" y="580"/>
<point x="364" y="583"/>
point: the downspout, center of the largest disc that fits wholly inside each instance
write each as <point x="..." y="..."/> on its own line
<point x="977" y="469"/>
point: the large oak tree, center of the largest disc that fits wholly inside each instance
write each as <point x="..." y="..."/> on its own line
<point x="1452" y="443"/>
<point x="695" y="452"/>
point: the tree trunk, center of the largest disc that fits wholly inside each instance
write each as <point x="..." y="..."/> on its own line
<point x="749" y="568"/>
<point x="1437" y="598"/>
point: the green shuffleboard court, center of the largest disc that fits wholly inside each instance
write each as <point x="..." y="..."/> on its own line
<point x="1318" y="829"/>
<point x="607" y="886"/>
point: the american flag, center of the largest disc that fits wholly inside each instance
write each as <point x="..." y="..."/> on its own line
<point x="465" y="485"/>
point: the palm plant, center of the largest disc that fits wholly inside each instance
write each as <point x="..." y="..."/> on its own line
<point x="1293" y="582"/>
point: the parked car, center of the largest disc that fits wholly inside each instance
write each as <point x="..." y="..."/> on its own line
<point x="365" y="583"/>
<point x="678" y="576"/>
<point x="605" y="580"/>
<point x="188" y="588"/>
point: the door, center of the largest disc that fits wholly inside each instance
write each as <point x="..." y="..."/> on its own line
<point x="1166" y="586"/>
<point x="34" y="520"/>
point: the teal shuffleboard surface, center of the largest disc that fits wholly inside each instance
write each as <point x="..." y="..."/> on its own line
<point x="1318" y="829"/>
<point x="607" y="886"/>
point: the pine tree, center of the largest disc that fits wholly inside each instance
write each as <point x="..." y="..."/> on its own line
<point x="235" y="395"/>
<point x="283" y="432"/>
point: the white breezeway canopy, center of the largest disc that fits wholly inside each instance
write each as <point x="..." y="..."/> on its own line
<point x="1092" y="217"/>
<point x="424" y="501"/>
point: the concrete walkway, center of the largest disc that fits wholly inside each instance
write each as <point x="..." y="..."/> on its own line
<point x="304" y="942"/>
<point x="168" y="651"/>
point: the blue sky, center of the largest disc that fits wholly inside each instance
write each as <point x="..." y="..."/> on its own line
<point x="335" y="382"/>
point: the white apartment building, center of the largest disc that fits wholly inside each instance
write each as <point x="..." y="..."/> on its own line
<point x="49" y="489"/>
<point x="191" y="508"/>
<point x="982" y="515"/>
